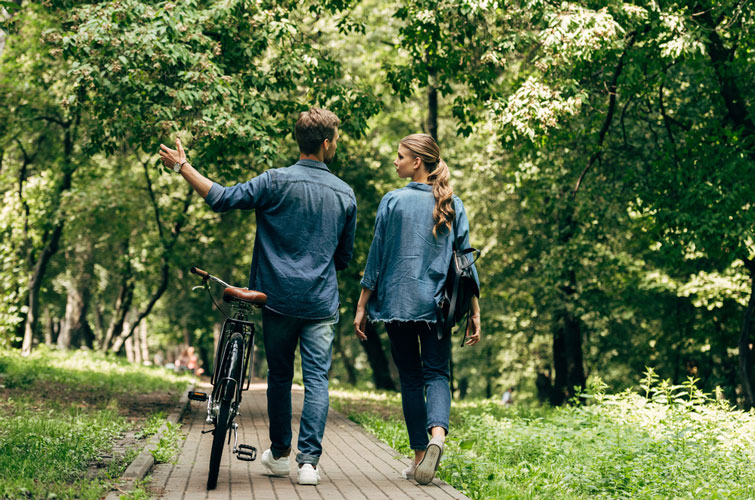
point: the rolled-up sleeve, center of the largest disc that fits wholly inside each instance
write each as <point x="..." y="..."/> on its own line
<point x="247" y="195"/>
<point x="345" y="248"/>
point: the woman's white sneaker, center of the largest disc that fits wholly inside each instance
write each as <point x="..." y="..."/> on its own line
<point x="425" y="471"/>
<point x="277" y="467"/>
<point x="308" y="475"/>
<point x="408" y="473"/>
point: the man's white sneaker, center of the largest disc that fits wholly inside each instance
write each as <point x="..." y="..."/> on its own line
<point x="276" y="467"/>
<point x="308" y="475"/>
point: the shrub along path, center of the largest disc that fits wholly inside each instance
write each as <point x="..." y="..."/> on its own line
<point x="354" y="465"/>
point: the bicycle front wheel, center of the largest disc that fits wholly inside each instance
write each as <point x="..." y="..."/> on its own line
<point x="230" y="370"/>
<point x="218" y="443"/>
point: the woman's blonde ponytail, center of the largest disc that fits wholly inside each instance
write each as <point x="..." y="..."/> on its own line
<point x="426" y="149"/>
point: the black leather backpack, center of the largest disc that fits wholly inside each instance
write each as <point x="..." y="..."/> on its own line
<point x="458" y="290"/>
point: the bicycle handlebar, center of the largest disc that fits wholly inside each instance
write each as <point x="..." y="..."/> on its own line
<point x="205" y="276"/>
<point x="199" y="272"/>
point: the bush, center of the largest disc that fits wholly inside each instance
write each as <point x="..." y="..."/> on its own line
<point x="670" y="441"/>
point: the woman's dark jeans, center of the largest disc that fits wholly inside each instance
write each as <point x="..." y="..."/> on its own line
<point x="423" y="366"/>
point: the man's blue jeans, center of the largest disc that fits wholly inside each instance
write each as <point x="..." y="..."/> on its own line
<point x="425" y="376"/>
<point x="281" y="335"/>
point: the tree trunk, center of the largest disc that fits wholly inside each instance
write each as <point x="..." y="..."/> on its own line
<point x="136" y="348"/>
<point x="464" y="387"/>
<point x="187" y="336"/>
<point x="99" y="324"/>
<point x="143" y="342"/>
<point x="127" y="343"/>
<point x="377" y="359"/>
<point x="49" y="328"/>
<point x="746" y="358"/>
<point x="567" y="356"/>
<point x="122" y="307"/>
<point x="123" y="302"/>
<point x="2" y="48"/>
<point x="721" y="58"/>
<point x="348" y="363"/>
<point x="567" y="327"/>
<point x="129" y="348"/>
<point x="432" y="109"/>
<point x="51" y="242"/>
<point x="76" y="331"/>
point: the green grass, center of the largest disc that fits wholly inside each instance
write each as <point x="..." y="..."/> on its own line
<point x="61" y="411"/>
<point x="168" y="445"/>
<point x="670" y="442"/>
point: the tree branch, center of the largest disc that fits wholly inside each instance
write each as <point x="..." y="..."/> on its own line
<point x="164" y="274"/>
<point x="152" y="198"/>
<point x="53" y="119"/>
<point x="721" y="57"/>
<point x="667" y="123"/>
<point x="611" y="108"/>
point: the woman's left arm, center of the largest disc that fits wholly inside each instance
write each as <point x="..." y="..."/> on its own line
<point x="474" y="323"/>
<point x="360" y="316"/>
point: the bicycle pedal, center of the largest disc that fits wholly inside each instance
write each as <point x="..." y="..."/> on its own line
<point x="197" y="396"/>
<point x="246" y="453"/>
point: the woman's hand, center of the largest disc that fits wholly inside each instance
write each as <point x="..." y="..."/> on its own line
<point x="172" y="156"/>
<point x="360" y="323"/>
<point x="473" y="326"/>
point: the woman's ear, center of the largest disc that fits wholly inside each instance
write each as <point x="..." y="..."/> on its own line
<point x="417" y="162"/>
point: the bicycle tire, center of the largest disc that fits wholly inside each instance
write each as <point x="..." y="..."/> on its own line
<point x="224" y="413"/>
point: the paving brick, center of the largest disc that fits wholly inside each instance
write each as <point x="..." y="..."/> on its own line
<point x="354" y="466"/>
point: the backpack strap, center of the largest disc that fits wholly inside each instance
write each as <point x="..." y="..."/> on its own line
<point x="466" y="328"/>
<point x="444" y="326"/>
<point x="448" y="324"/>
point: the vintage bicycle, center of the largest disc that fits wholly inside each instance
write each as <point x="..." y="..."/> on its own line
<point x="232" y="373"/>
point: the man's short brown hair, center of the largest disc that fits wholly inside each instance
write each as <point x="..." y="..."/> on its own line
<point x="313" y="127"/>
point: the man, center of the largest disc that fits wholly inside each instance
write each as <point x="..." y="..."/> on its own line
<point x="306" y="218"/>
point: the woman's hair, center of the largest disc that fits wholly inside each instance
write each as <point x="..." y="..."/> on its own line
<point x="427" y="150"/>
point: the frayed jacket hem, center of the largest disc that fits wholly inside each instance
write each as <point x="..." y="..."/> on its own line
<point x="402" y="320"/>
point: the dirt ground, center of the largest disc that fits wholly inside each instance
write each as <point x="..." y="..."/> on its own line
<point x="351" y="406"/>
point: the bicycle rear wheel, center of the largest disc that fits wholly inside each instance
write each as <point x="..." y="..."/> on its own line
<point x="230" y="370"/>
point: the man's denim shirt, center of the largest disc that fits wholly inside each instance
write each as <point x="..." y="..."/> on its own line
<point x="306" y="218"/>
<point x="407" y="266"/>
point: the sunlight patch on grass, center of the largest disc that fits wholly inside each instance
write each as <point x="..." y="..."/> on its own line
<point x="87" y="368"/>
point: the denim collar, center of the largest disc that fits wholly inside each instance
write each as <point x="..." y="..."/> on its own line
<point x="313" y="164"/>
<point x="420" y="185"/>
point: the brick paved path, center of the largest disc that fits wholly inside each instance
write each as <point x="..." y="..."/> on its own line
<point x="354" y="464"/>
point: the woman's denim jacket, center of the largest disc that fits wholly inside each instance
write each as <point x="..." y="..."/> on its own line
<point x="407" y="266"/>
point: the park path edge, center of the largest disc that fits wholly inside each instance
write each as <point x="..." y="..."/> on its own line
<point x="144" y="461"/>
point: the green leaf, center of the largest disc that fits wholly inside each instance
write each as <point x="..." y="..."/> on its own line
<point x="10" y="6"/>
<point x="466" y="445"/>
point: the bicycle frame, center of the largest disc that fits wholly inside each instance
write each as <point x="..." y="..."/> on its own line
<point x="231" y="372"/>
<point x="238" y="321"/>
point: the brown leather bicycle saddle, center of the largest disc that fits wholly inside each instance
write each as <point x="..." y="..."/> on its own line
<point x="233" y="293"/>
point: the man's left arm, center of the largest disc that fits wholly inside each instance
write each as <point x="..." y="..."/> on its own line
<point x="345" y="247"/>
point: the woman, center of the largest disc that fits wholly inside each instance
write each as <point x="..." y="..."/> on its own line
<point x="402" y="286"/>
